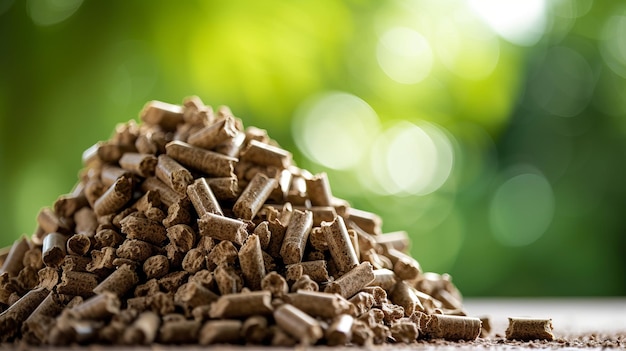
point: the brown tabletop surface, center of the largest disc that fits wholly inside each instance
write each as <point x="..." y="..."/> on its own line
<point x="579" y="323"/>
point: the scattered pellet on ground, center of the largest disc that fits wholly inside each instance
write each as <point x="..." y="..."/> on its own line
<point x="529" y="329"/>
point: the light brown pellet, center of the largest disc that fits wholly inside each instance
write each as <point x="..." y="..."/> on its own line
<point x="143" y="165"/>
<point x="102" y="261"/>
<point x="181" y="235"/>
<point x="224" y="188"/>
<point x="167" y="195"/>
<point x="223" y="253"/>
<point x="298" y="324"/>
<point x="242" y="305"/>
<point x="78" y="244"/>
<point x="529" y="329"/>
<point x="192" y="295"/>
<point x="275" y="284"/>
<point x="263" y="232"/>
<point x="405" y="266"/>
<point x="296" y="236"/>
<point x="340" y="245"/>
<point x="202" y="198"/>
<point x="340" y="330"/>
<point x="369" y="222"/>
<point x="109" y="174"/>
<point x="12" y="319"/>
<point x="255" y="329"/>
<point x="53" y="250"/>
<point x="173" y="174"/>
<point x="254" y="196"/>
<point x="179" y="332"/>
<point x="97" y="307"/>
<point x="144" y="329"/>
<point x="452" y="327"/>
<point x="317" y="270"/>
<point x="214" y="134"/>
<point x="222" y="331"/>
<point x="67" y="205"/>
<point x="156" y="266"/>
<point x="51" y="222"/>
<point x="350" y="283"/>
<point x="251" y="262"/>
<point x="115" y="197"/>
<point x="304" y="283"/>
<point x="195" y="112"/>
<point x="318" y="190"/>
<point x="13" y="262"/>
<point x="134" y="249"/>
<point x="85" y="221"/>
<point x="108" y="237"/>
<point x="122" y="280"/>
<point x="384" y="278"/>
<point x="143" y="229"/>
<point x="223" y="228"/>
<point x="398" y="240"/>
<point x="77" y="284"/>
<point x="227" y="280"/>
<point x="402" y="294"/>
<point x="319" y="304"/>
<point x="209" y="162"/>
<point x="162" y="114"/>
<point x="363" y="301"/>
<point x="194" y="261"/>
<point x="48" y="277"/>
<point x="36" y="327"/>
<point x="265" y="154"/>
<point x="406" y="332"/>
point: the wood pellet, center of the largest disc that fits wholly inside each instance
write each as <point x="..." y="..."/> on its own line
<point x="188" y="228"/>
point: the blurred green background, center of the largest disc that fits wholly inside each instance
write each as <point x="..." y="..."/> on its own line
<point x="492" y="131"/>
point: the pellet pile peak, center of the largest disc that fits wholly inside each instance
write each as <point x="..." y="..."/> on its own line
<point x="190" y="229"/>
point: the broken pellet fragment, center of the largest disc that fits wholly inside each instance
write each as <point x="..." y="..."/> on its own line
<point x="529" y="329"/>
<point x="254" y="196"/>
<point x="298" y="324"/>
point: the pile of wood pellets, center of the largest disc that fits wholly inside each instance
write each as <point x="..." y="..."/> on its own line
<point x="188" y="228"/>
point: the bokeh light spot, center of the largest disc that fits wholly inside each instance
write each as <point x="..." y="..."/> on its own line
<point x="520" y="22"/>
<point x="409" y="159"/>
<point x="565" y="83"/>
<point x="49" y="12"/>
<point x="613" y="45"/>
<point x="521" y="209"/>
<point x="404" y="55"/>
<point x="335" y="129"/>
<point x="467" y="48"/>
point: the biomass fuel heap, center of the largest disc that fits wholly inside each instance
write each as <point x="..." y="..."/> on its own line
<point x="189" y="229"/>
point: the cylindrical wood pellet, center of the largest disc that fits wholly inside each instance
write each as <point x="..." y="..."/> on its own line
<point x="115" y="197"/>
<point x="143" y="165"/>
<point x="13" y="263"/>
<point x="298" y="324"/>
<point x="402" y="295"/>
<point x="529" y="329"/>
<point x="119" y="282"/>
<point x="318" y="190"/>
<point x="318" y="304"/>
<point x="214" y="134"/>
<point x="242" y="305"/>
<point x="53" y="250"/>
<point x="11" y="319"/>
<point x="296" y="236"/>
<point x="254" y="196"/>
<point x="452" y="327"/>
<point x="221" y="331"/>
<point x="78" y="244"/>
<point x="143" y="229"/>
<point x="340" y="330"/>
<point x="251" y="262"/>
<point x="350" y="283"/>
<point x="265" y="154"/>
<point x="100" y="306"/>
<point x="223" y="228"/>
<point x="340" y="245"/>
<point x="209" y="162"/>
<point x="144" y="330"/>
<point x="202" y="198"/>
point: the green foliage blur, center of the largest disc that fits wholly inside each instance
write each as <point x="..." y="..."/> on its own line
<point x="493" y="132"/>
